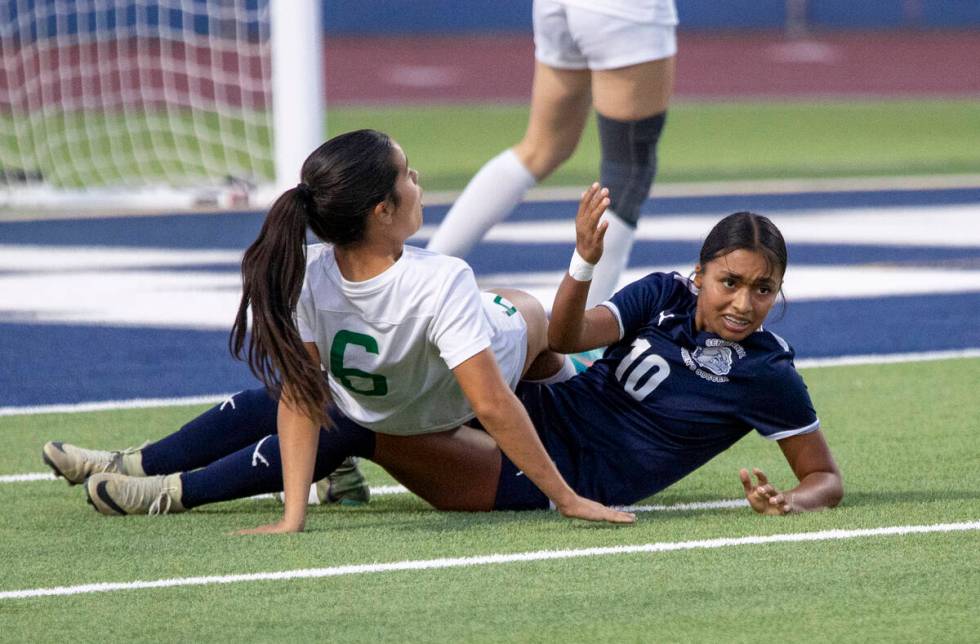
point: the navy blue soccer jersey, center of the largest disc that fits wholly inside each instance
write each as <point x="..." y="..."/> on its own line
<point x="666" y="398"/>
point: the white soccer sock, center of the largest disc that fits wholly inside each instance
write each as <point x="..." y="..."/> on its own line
<point x="491" y="195"/>
<point x="616" y="252"/>
<point x="566" y="372"/>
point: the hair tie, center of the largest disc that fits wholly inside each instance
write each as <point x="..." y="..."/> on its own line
<point x="304" y="191"/>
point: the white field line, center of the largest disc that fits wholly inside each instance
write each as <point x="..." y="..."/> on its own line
<point x="492" y="559"/>
<point x="887" y="358"/>
<point x="112" y="405"/>
<point x="144" y="403"/>
<point x="725" y="504"/>
<point x="387" y="490"/>
<point x="750" y="187"/>
<point x="889" y="226"/>
<point x="30" y="477"/>
<point x="381" y="490"/>
<point x="558" y="193"/>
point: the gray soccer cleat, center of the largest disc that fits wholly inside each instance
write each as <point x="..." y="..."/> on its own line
<point x="346" y="485"/>
<point x="75" y="464"/>
<point x="115" y="494"/>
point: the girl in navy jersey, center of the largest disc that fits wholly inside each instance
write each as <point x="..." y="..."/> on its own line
<point x="688" y="371"/>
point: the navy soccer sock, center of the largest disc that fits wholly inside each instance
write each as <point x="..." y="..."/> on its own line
<point x="257" y="469"/>
<point x="243" y="419"/>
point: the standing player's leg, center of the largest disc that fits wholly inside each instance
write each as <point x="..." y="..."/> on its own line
<point x="631" y="105"/>
<point x="560" y="101"/>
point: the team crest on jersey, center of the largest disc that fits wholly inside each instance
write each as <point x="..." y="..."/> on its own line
<point x="717" y="360"/>
<point x="714" y="360"/>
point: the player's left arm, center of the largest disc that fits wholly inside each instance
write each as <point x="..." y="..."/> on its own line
<point x="820" y="482"/>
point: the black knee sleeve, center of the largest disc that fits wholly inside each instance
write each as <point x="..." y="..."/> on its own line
<point x="629" y="161"/>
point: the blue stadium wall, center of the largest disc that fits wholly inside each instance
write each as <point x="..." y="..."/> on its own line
<point x="405" y="17"/>
<point x="350" y="17"/>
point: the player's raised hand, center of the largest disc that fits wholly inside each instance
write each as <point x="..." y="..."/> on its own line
<point x="582" y="508"/>
<point x="763" y="497"/>
<point x="589" y="230"/>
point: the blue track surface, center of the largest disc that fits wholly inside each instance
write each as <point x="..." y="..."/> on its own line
<point x="56" y="363"/>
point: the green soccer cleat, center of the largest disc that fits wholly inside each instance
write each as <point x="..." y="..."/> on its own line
<point x="115" y="494"/>
<point x="75" y="464"/>
<point x="346" y="485"/>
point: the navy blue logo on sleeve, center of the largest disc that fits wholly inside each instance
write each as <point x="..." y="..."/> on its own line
<point x="713" y="361"/>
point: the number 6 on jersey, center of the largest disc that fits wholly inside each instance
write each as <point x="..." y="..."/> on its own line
<point x="378" y="384"/>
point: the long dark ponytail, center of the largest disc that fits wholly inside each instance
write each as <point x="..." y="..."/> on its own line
<point x="342" y="181"/>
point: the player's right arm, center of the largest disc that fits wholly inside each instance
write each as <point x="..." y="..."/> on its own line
<point x="572" y="328"/>
<point x="506" y="420"/>
<point x="298" y="438"/>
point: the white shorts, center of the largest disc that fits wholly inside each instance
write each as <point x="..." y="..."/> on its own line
<point x="509" y="341"/>
<point x="570" y="37"/>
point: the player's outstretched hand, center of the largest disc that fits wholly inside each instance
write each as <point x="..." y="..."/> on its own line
<point x="279" y="527"/>
<point x="764" y="498"/>
<point x="589" y="231"/>
<point x="582" y="508"/>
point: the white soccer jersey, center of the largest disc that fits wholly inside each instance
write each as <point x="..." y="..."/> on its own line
<point x="388" y="343"/>
<point x="660" y="12"/>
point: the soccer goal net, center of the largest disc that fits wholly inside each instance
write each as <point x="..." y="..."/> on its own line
<point x="156" y="104"/>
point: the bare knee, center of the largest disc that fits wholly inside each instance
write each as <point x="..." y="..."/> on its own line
<point x="541" y="158"/>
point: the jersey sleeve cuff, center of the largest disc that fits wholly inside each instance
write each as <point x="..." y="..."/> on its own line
<point x="778" y="436"/>
<point x="305" y="332"/>
<point x="461" y="355"/>
<point x="619" y="318"/>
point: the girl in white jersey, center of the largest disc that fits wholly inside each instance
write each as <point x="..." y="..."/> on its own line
<point x="402" y="334"/>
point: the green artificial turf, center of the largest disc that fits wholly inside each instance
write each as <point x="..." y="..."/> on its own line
<point x="907" y="451"/>
<point x="449" y="143"/>
<point x="706" y="141"/>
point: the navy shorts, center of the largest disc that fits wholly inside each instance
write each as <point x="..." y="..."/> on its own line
<point x="514" y="490"/>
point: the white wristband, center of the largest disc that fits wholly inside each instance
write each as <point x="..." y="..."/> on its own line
<point x="579" y="269"/>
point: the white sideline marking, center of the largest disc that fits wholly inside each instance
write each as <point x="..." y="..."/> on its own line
<point x="804" y="282"/>
<point x="381" y="490"/>
<point x="158" y="287"/>
<point x="749" y="187"/>
<point x="887" y="358"/>
<point x="681" y="507"/>
<point x="262" y="199"/>
<point x="27" y="478"/>
<point x="483" y="560"/>
<point x="386" y="490"/>
<point x="894" y="226"/>
<point x="144" y="403"/>
<point x="107" y="405"/>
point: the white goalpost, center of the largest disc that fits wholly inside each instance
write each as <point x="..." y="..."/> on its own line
<point x="165" y="104"/>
